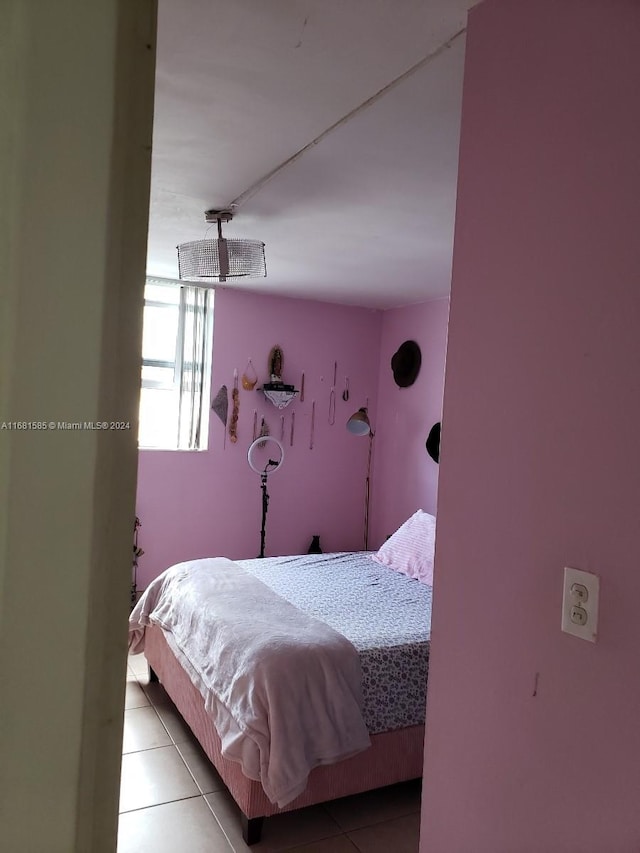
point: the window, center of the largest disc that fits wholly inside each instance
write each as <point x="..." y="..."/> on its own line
<point x="176" y="366"/>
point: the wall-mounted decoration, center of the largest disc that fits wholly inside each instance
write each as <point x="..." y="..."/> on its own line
<point x="405" y="364"/>
<point x="137" y="553"/>
<point x="345" y="393"/>
<point x="235" y="398"/>
<point x="249" y="377"/>
<point x="332" y="395"/>
<point x="433" y="442"/>
<point x="264" y="430"/>
<point x="220" y="406"/>
<point x="277" y="391"/>
<point x="276" y="363"/>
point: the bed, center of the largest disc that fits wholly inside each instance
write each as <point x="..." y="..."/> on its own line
<point x="348" y="600"/>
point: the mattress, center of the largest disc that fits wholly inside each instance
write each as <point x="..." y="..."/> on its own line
<point x="384" y="614"/>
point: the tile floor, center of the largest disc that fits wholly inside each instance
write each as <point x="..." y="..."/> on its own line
<point x="173" y="801"/>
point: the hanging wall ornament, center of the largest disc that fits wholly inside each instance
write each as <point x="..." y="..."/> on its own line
<point x="220" y="406"/>
<point x="433" y="442"/>
<point x="235" y="398"/>
<point x="405" y="364"/>
<point x="249" y="377"/>
<point x="332" y="395"/>
<point x="264" y="430"/>
<point x="345" y="393"/>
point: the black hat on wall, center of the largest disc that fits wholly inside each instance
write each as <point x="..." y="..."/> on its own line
<point x="433" y="442"/>
<point x="405" y="364"/>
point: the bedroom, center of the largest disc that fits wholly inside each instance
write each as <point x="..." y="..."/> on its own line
<point x="391" y="154"/>
<point x="339" y="282"/>
<point x="566" y="321"/>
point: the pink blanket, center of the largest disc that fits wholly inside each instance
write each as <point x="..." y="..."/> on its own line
<point x="283" y="688"/>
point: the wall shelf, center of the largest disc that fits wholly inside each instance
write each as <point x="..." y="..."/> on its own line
<point x="278" y="394"/>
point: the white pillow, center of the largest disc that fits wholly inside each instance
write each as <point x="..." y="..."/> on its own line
<point x="410" y="549"/>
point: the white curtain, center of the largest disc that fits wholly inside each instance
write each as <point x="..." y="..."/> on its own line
<point x="193" y="365"/>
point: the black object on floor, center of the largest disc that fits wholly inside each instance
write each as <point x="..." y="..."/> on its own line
<point x="315" y="548"/>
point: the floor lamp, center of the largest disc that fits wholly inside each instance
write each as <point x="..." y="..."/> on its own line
<point x="358" y="424"/>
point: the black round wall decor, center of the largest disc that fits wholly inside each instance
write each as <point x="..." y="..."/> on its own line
<point x="433" y="442"/>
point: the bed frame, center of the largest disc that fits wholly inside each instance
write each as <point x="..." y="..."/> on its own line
<point x="393" y="757"/>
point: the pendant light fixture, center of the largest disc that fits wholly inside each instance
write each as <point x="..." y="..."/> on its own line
<point x="207" y="262"/>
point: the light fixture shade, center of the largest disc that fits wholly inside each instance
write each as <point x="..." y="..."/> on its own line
<point x="209" y="261"/>
<point x="358" y="423"/>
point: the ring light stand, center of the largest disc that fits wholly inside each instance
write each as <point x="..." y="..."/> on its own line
<point x="271" y="466"/>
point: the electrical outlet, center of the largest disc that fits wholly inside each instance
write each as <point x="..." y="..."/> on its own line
<point x="580" y="596"/>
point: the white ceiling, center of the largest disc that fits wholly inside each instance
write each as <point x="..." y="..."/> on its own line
<point x="365" y="216"/>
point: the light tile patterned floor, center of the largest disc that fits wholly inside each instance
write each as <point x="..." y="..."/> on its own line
<point x="172" y="800"/>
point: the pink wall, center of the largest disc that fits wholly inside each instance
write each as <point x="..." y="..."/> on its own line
<point x="541" y="466"/>
<point x="209" y="503"/>
<point x="405" y="478"/>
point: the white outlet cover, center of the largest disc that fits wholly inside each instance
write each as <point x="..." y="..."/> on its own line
<point x="588" y="631"/>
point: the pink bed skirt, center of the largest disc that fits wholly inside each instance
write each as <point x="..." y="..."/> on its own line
<point x="395" y="756"/>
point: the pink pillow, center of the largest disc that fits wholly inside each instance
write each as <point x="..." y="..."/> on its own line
<point x="410" y="549"/>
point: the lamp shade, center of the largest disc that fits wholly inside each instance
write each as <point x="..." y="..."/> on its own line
<point x="221" y="260"/>
<point x="358" y="423"/>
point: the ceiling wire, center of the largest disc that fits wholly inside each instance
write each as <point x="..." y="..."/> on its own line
<point x="261" y="182"/>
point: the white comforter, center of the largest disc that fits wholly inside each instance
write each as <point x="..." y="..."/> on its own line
<point x="283" y="688"/>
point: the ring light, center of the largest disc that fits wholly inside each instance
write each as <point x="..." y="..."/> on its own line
<point x="271" y="466"/>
